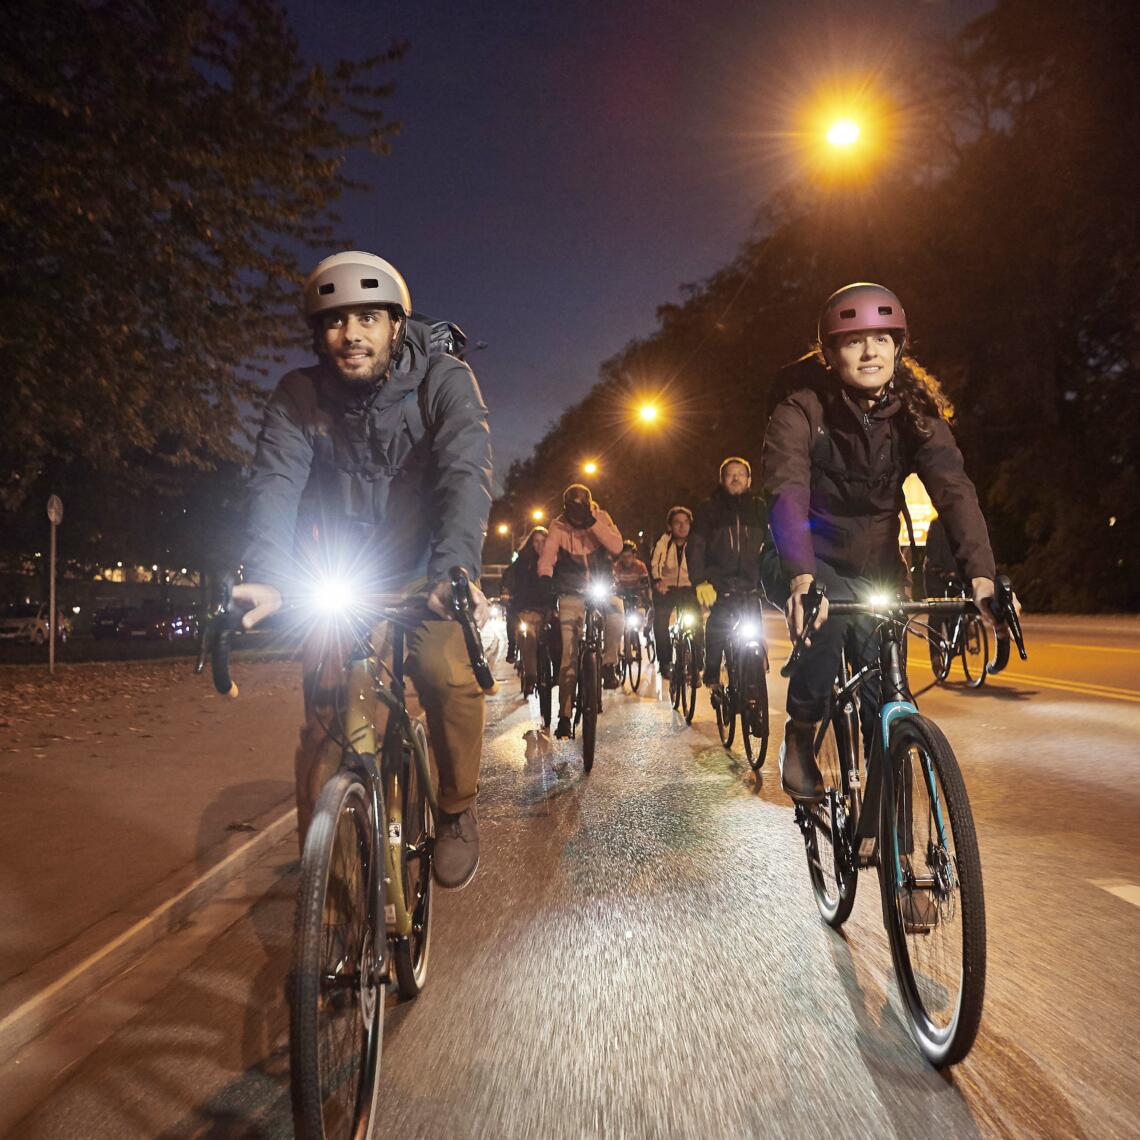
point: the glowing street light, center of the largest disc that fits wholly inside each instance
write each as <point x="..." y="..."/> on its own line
<point x="647" y="413"/>
<point x="502" y="528"/>
<point x="537" y="514"/>
<point x="844" y="133"/>
<point x="590" y="467"/>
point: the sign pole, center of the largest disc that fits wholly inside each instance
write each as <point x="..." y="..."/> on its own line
<point x="55" y="516"/>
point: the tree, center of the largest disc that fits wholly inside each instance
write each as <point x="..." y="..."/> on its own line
<point x="162" y="166"/>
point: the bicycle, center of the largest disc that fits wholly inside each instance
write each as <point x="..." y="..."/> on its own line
<point x="964" y="637"/>
<point x="629" y="656"/>
<point x="744" y="689"/>
<point x="588" y="689"/>
<point x="546" y="675"/>
<point x="685" y="674"/>
<point x="364" y="904"/>
<point x="910" y="817"/>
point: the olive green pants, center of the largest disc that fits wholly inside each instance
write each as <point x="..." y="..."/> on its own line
<point x="441" y="686"/>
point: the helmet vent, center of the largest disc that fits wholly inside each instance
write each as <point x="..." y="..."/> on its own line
<point x="886" y="310"/>
<point x="847" y="314"/>
<point x="325" y="290"/>
<point x="369" y="283"/>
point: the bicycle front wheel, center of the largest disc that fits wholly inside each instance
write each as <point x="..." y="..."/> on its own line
<point x="545" y="684"/>
<point x="975" y="651"/>
<point x="689" y="668"/>
<point x="336" y="990"/>
<point x="753" y="703"/>
<point x="417" y="840"/>
<point x="634" y="661"/>
<point x="589" y="682"/>
<point x="933" y="905"/>
<point x="827" y="839"/>
<point x="724" y="705"/>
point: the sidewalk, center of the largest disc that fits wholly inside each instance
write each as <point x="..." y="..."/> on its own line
<point x="128" y="794"/>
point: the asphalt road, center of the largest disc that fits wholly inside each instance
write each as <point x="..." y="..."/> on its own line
<point x="640" y="954"/>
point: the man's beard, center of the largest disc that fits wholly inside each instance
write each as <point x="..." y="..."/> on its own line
<point x="377" y="370"/>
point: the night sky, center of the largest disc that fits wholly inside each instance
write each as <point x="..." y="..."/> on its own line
<point x="563" y="168"/>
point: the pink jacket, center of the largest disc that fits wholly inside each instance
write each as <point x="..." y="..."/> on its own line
<point x="579" y="544"/>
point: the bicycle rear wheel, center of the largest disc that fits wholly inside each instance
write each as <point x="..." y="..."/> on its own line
<point x="589" y="682"/>
<point x="545" y="683"/>
<point x="724" y="705"/>
<point x="650" y="648"/>
<point x="975" y="651"/>
<point x="417" y="841"/>
<point x="940" y="656"/>
<point x="933" y="903"/>
<point x="336" y="991"/>
<point x="676" y="674"/>
<point x="827" y="839"/>
<point x="634" y="661"/>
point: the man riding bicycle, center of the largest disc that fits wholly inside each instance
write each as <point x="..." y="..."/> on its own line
<point x="729" y="530"/>
<point x="382" y="450"/>
<point x="577" y="554"/>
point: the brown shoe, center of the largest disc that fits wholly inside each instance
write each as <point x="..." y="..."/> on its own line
<point x="919" y="910"/>
<point x="799" y="773"/>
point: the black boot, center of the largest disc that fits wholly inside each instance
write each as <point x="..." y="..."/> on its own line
<point x="799" y="773"/>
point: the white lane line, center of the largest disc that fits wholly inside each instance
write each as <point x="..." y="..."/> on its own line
<point x="1091" y="648"/>
<point x="1129" y="892"/>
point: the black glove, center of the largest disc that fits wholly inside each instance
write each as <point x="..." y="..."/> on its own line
<point x="579" y="515"/>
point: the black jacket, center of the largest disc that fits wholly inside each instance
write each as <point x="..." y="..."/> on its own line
<point x="392" y="486"/>
<point x="528" y="591"/>
<point x="728" y="535"/>
<point x="833" y="478"/>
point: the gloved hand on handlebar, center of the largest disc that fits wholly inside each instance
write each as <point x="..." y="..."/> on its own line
<point x="983" y="591"/>
<point x="794" y="610"/>
<point x="706" y="594"/>
<point x="439" y="602"/>
<point x="261" y="600"/>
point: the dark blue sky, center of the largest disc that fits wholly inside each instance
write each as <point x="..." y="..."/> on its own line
<point x="564" y="167"/>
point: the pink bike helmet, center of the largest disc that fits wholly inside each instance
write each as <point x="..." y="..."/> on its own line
<point x="861" y="306"/>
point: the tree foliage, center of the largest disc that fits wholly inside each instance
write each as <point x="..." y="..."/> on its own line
<point x="1013" y="243"/>
<point x="162" y="167"/>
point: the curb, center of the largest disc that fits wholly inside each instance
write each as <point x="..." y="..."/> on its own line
<point x="36" y="1013"/>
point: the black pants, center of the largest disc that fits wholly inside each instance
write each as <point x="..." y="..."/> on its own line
<point x="809" y="690"/>
<point x="663" y="606"/>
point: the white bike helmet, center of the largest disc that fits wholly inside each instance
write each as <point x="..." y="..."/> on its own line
<point x="355" y="278"/>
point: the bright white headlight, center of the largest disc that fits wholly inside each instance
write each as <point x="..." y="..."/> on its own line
<point x="879" y="601"/>
<point x="522" y="627"/>
<point x="749" y="630"/>
<point x="334" y="596"/>
<point x="598" y="592"/>
<point x="687" y="620"/>
<point x="633" y="621"/>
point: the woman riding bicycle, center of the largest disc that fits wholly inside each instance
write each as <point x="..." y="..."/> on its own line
<point x="836" y="452"/>
<point x="531" y="599"/>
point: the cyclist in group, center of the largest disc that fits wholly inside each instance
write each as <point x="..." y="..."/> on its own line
<point x="384" y="448"/>
<point x="672" y="585"/>
<point x="578" y="552"/>
<point x="836" y="452"/>
<point x="729" y="533"/>
<point x="631" y="576"/>
<point x="531" y="599"/>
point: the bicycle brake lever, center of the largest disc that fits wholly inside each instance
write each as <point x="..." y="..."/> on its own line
<point x="813" y="599"/>
<point x="1005" y="612"/>
<point x="461" y="601"/>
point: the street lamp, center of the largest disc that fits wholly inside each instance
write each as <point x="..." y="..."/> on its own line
<point x="844" y="133"/>
<point x="590" y="467"/>
<point x="647" y="413"/>
<point x="502" y="528"/>
<point x="538" y="514"/>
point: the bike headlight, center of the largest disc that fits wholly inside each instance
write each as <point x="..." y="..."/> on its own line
<point x="522" y="627"/>
<point x="687" y="621"/>
<point x="749" y="630"/>
<point x="879" y="601"/>
<point x="633" y="621"/>
<point x="335" y="596"/>
<point x="496" y="611"/>
<point x="598" y="591"/>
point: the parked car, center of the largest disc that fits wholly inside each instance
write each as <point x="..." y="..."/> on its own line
<point x="153" y="621"/>
<point x="30" y="621"/>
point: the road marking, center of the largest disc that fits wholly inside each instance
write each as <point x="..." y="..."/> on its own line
<point x="1129" y="892"/>
<point x="1079" y="688"/>
<point x="1091" y="648"/>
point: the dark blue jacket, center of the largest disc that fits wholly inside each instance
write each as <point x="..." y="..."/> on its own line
<point x="392" y="486"/>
